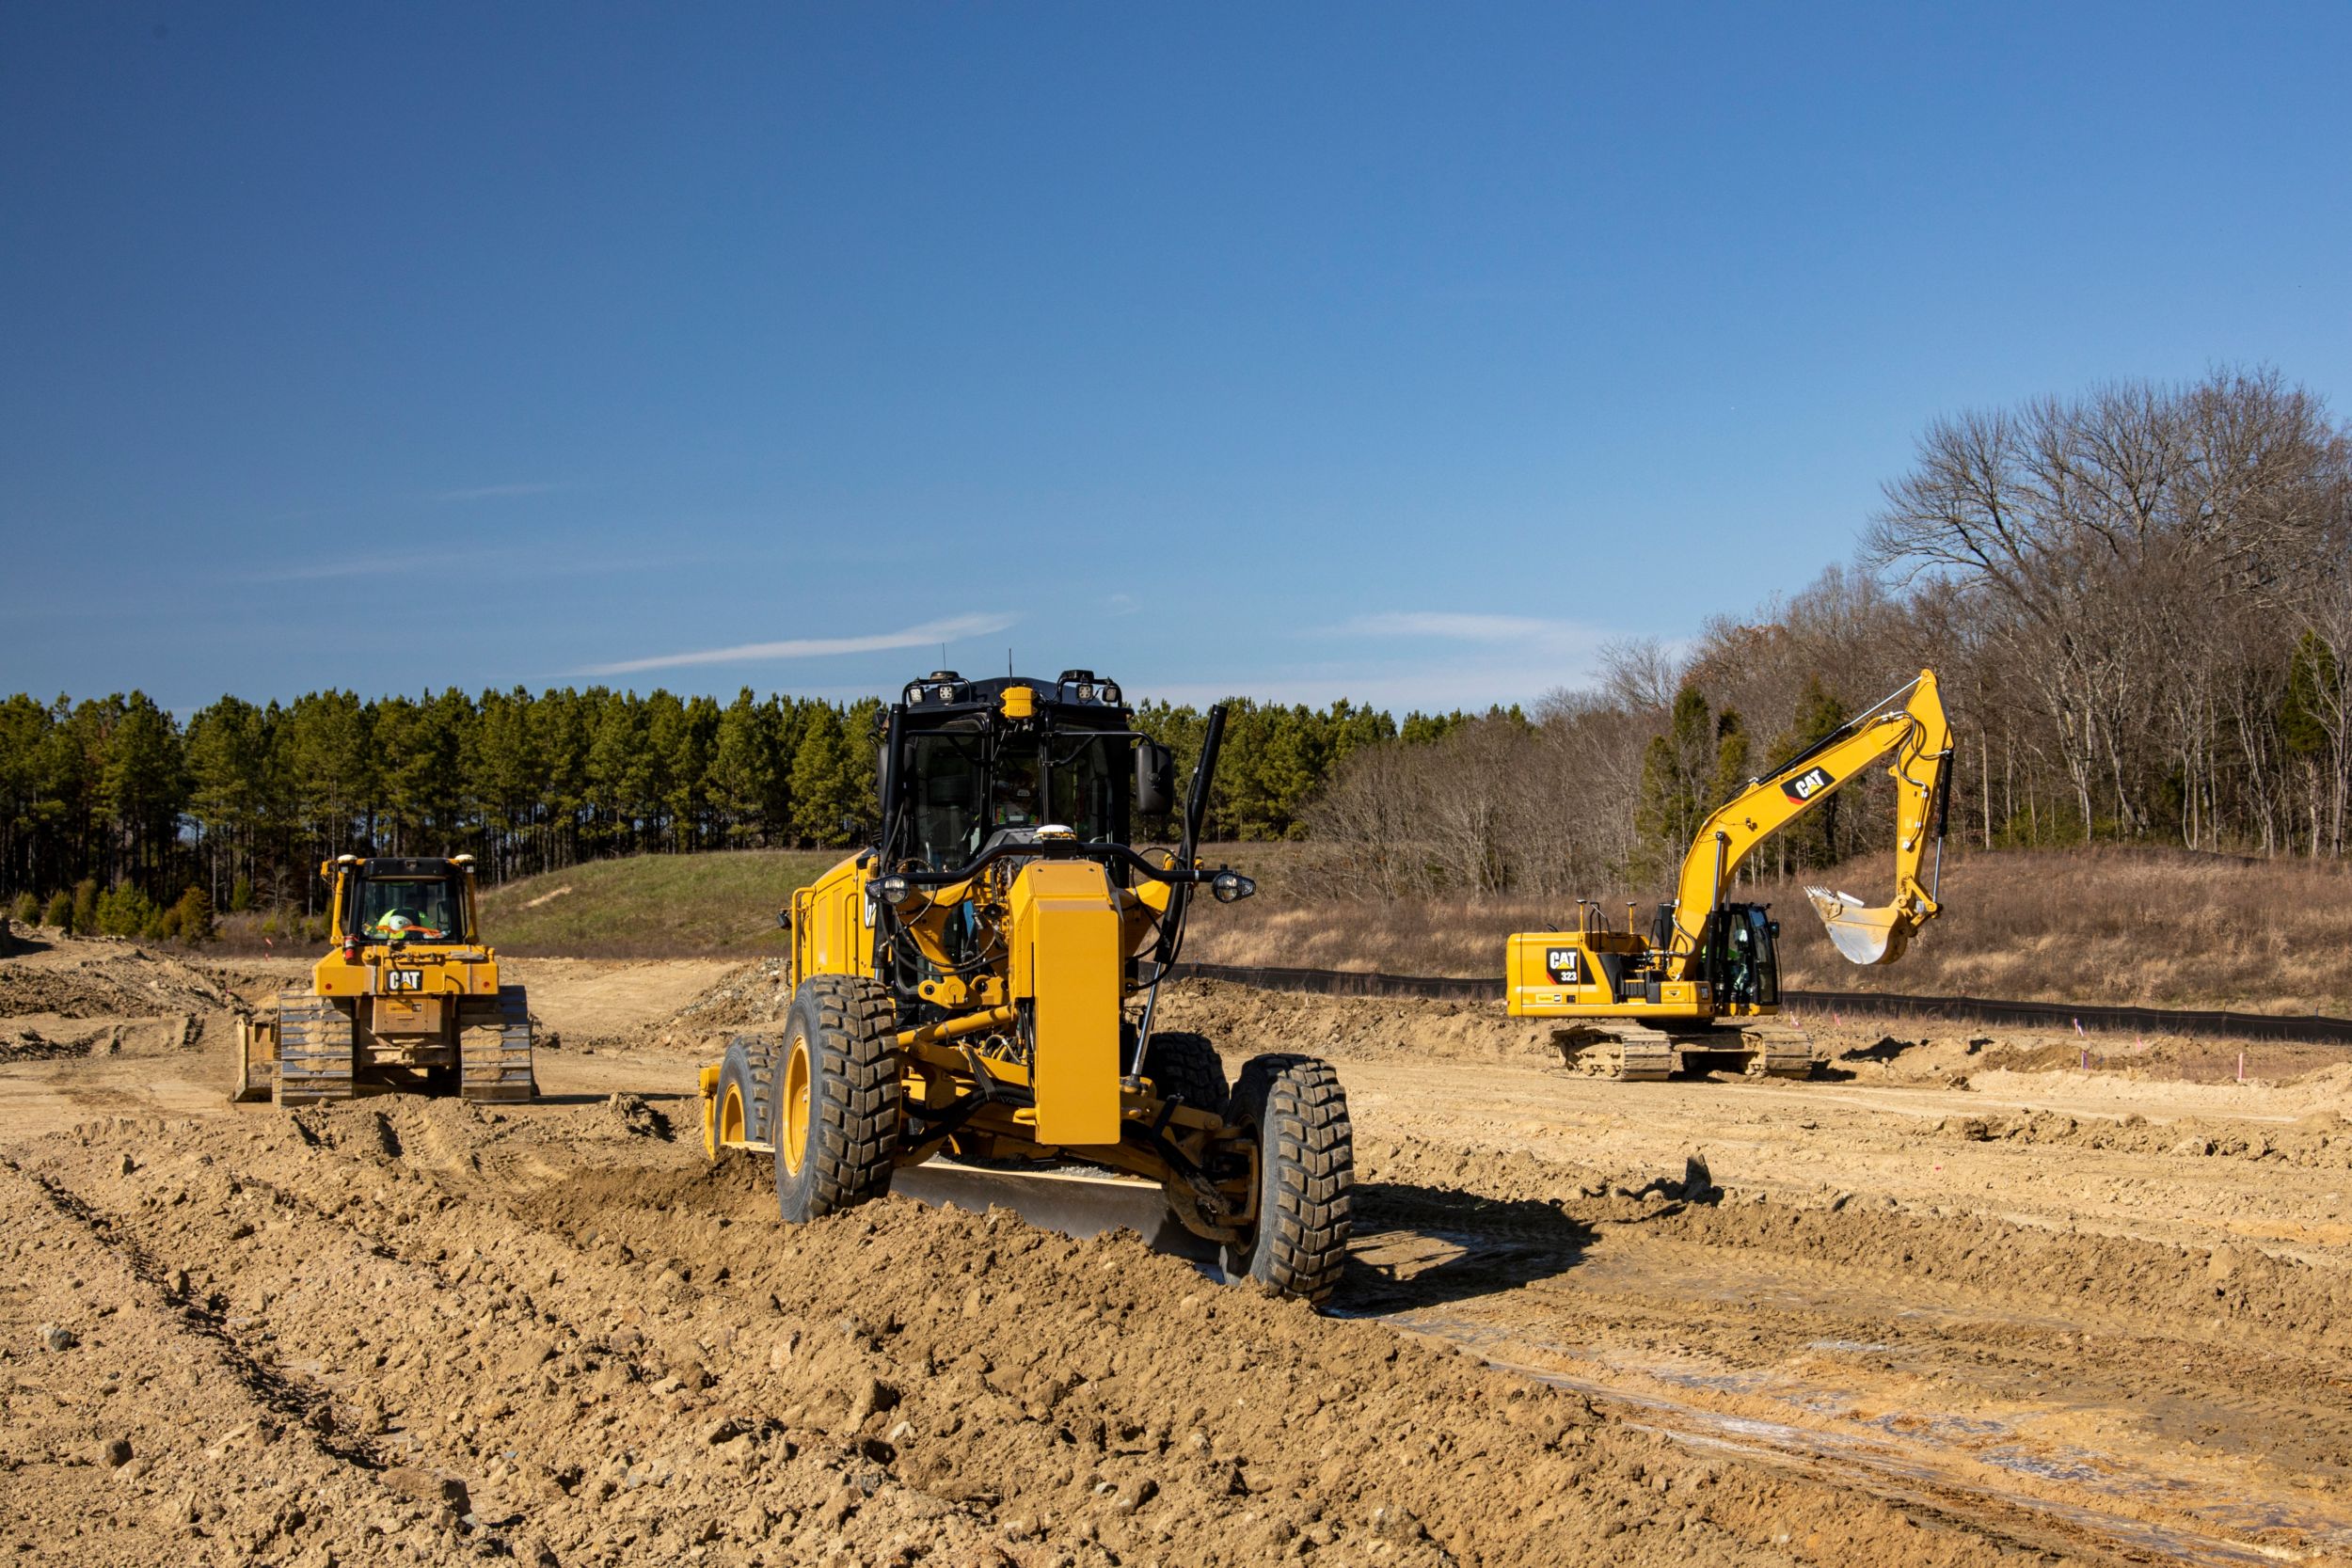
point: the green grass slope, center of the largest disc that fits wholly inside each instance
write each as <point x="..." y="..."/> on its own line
<point x="721" y="904"/>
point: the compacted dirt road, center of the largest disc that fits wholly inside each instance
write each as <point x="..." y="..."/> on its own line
<point x="1928" y="1308"/>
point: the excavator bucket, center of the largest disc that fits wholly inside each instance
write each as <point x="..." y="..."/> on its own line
<point x="1866" y="935"/>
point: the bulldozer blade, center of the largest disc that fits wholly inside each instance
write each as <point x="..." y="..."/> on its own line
<point x="1075" y="1204"/>
<point x="1866" y="935"/>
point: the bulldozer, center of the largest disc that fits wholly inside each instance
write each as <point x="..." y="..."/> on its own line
<point x="1700" y="990"/>
<point x="406" y="997"/>
<point x="977" y="984"/>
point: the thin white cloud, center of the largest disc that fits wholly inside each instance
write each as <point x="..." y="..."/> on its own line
<point x="1528" y="632"/>
<point x="1456" y="626"/>
<point x="492" y="492"/>
<point x="815" y="647"/>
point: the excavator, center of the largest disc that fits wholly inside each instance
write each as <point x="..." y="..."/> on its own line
<point x="1700" y="990"/>
<point x="978" y="984"/>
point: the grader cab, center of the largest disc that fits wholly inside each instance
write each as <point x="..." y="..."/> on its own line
<point x="979" y="984"/>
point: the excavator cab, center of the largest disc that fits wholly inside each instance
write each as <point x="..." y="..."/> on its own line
<point x="1742" y="960"/>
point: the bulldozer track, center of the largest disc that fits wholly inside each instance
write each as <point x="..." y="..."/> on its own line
<point x="315" y="1045"/>
<point x="494" y="1047"/>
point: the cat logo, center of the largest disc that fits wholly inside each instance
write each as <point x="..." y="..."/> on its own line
<point x="1805" y="785"/>
<point x="1560" y="961"/>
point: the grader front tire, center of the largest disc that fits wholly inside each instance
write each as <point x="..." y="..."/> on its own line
<point x="836" y="1099"/>
<point x="1306" y="1176"/>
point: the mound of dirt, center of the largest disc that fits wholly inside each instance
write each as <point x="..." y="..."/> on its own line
<point x="421" y="1331"/>
<point x="1244" y="1021"/>
<point x="2321" y="1141"/>
<point x="31" y="1045"/>
<point x="114" y="981"/>
<point x="750" y="996"/>
<point x="2217" y="1293"/>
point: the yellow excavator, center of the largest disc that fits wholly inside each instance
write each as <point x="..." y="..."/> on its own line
<point x="1700" y="992"/>
<point x="979" y="984"/>
<point x="406" y="997"/>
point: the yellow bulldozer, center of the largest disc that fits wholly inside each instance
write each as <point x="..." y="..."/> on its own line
<point x="1700" y="992"/>
<point x="405" y="998"/>
<point x="979" y="982"/>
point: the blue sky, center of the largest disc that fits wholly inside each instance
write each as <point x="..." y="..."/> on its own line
<point x="1398" y="353"/>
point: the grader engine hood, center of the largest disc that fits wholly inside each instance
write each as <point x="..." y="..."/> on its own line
<point x="1067" y="960"/>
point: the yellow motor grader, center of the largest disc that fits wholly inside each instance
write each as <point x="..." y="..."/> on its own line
<point x="1701" y="991"/>
<point x="979" y="983"/>
<point x="407" y="998"/>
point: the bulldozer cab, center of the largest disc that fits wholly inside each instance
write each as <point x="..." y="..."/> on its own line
<point x="403" y="901"/>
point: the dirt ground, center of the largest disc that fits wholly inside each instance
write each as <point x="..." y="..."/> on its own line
<point x="1947" y="1303"/>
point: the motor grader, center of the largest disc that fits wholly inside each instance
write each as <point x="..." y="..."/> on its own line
<point x="978" y="984"/>
<point x="405" y="998"/>
<point x="1700" y="990"/>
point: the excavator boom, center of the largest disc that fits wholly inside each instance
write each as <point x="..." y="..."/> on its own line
<point x="1910" y="722"/>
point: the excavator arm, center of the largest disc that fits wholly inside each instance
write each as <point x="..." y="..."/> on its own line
<point x="1908" y="723"/>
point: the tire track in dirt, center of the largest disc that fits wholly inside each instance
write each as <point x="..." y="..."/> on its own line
<point x="271" y="1387"/>
<point x="1921" y="1348"/>
<point x="624" y="1358"/>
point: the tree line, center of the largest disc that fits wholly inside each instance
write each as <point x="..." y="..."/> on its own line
<point x="243" y="801"/>
<point x="2138" y="603"/>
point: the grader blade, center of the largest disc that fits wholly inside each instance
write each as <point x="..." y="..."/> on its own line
<point x="1075" y="1203"/>
<point x="1866" y="935"/>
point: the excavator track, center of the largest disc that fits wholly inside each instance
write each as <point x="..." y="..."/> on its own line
<point x="494" y="1048"/>
<point x="1779" y="1051"/>
<point x="1624" y="1053"/>
<point x="315" y="1050"/>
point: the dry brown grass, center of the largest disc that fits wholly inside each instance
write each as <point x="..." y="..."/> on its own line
<point x="2157" y="927"/>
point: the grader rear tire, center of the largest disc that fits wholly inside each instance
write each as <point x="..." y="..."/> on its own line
<point x="731" y="1123"/>
<point x="1187" y="1066"/>
<point x="835" y="1092"/>
<point x="1306" y="1176"/>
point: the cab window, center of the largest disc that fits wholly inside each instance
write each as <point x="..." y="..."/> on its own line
<point x="410" y="908"/>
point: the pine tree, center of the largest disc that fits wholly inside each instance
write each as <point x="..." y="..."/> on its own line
<point x="192" y="916"/>
<point x="1677" y="774"/>
<point x="822" y="779"/>
<point x="743" y="772"/>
